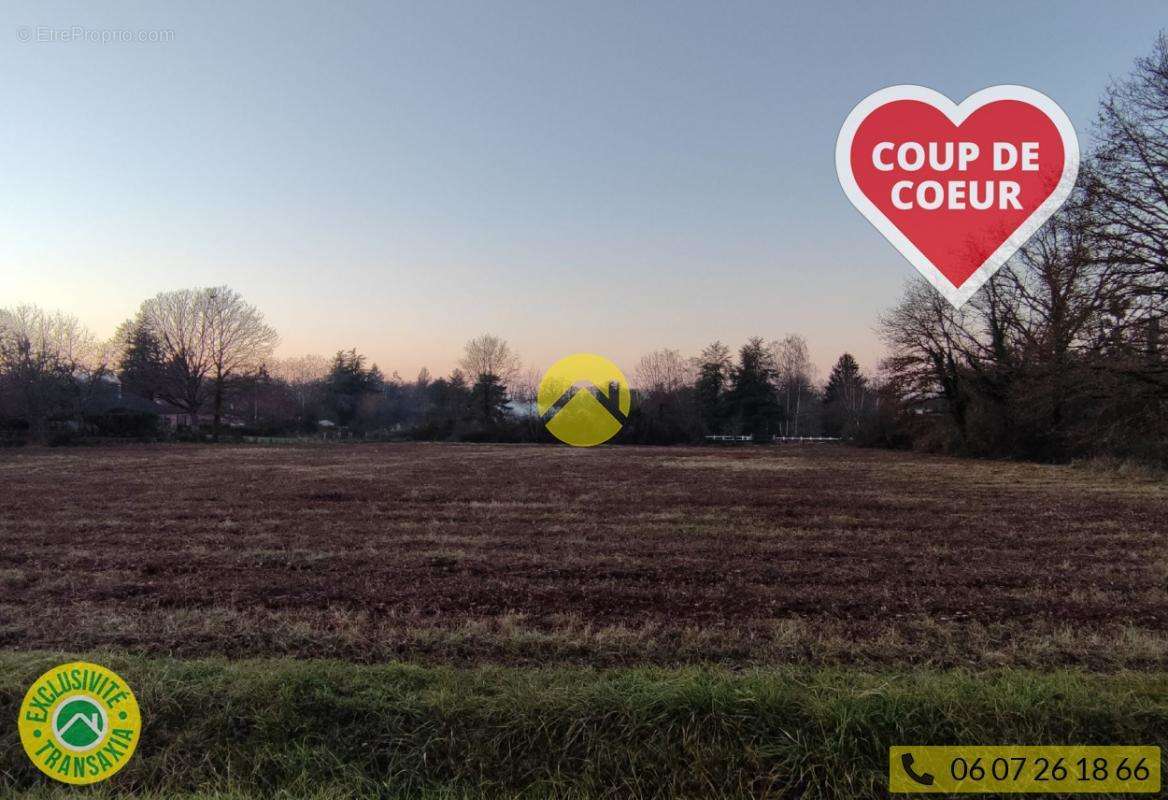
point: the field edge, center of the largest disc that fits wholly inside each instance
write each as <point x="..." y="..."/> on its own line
<point x="312" y="728"/>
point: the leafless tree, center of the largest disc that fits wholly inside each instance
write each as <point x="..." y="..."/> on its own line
<point x="239" y="338"/>
<point x="1130" y="171"/>
<point x="1036" y="362"/>
<point x="207" y="337"/>
<point x="303" y="376"/>
<point x="524" y="397"/>
<point x="47" y="359"/>
<point x="795" y="376"/>
<point x="178" y="321"/>
<point x="1131" y="167"/>
<point x="489" y="355"/>
<point x="300" y="369"/>
<point x="664" y="371"/>
<point x="525" y="389"/>
<point x="922" y="333"/>
<point x="1061" y="352"/>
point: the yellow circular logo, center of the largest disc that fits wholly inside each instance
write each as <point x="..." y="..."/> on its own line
<point x="79" y="723"/>
<point x="584" y="399"/>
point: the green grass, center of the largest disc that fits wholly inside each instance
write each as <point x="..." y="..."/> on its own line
<point x="325" y="730"/>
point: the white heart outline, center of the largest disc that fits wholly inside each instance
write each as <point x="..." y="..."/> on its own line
<point x="957" y="113"/>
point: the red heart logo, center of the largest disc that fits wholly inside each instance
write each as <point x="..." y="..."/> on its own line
<point x="957" y="188"/>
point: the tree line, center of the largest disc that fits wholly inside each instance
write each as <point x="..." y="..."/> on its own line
<point x="203" y="358"/>
<point x="1062" y="353"/>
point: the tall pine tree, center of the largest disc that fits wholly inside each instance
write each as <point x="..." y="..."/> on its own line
<point x="752" y="399"/>
<point x="845" y="398"/>
<point x="710" y="387"/>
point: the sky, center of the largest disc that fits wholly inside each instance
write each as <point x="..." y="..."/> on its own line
<point x="608" y="177"/>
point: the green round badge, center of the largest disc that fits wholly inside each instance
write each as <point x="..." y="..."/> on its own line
<point x="79" y="723"/>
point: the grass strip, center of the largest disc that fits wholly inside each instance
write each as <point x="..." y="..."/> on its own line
<point x="231" y="730"/>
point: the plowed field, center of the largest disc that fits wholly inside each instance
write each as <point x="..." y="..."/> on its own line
<point x="524" y="554"/>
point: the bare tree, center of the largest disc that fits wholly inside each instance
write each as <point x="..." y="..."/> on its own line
<point x="178" y="323"/>
<point x="1131" y="167"/>
<point x="489" y="355"/>
<point x="303" y="375"/>
<point x="52" y="336"/>
<point x="921" y="332"/>
<point x="239" y="339"/>
<point x="207" y="337"/>
<point x="664" y="371"/>
<point x="46" y="359"/>
<point x="525" y="390"/>
<point x="1130" y="172"/>
<point x="795" y="375"/>
<point x="1035" y="363"/>
<point x="301" y="369"/>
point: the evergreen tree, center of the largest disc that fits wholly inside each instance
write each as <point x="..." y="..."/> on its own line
<point x="142" y="365"/>
<point x="844" y="398"/>
<point x="447" y="403"/>
<point x="488" y="400"/>
<point x="710" y="387"/>
<point x="752" y="399"/>
<point x="349" y="384"/>
<point x="375" y="380"/>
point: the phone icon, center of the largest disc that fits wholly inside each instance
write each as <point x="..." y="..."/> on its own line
<point x="906" y="761"/>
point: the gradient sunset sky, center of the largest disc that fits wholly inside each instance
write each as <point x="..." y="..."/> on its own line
<point x="604" y="177"/>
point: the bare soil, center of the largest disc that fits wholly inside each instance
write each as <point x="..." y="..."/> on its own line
<point x="523" y="554"/>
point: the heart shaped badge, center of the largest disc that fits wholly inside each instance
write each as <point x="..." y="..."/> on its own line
<point x="957" y="188"/>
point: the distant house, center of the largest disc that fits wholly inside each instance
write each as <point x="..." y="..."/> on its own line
<point x="175" y="418"/>
<point x="105" y="395"/>
<point x="171" y="417"/>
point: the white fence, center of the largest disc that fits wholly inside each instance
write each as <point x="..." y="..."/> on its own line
<point x="774" y="439"/>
